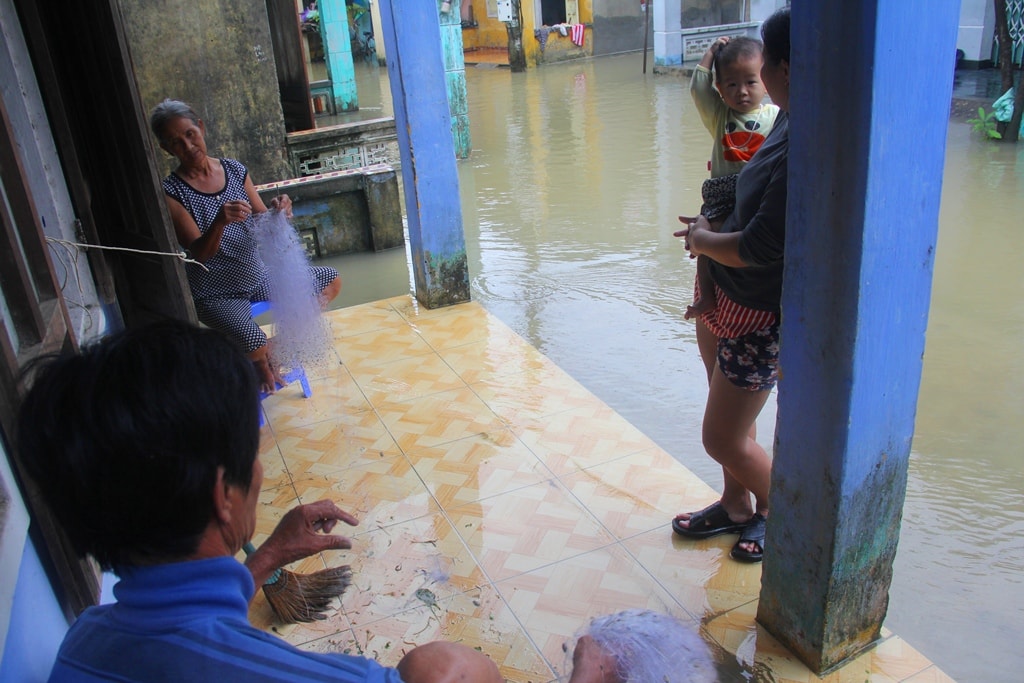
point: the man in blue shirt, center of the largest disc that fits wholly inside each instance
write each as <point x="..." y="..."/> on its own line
<point x="145" y="446"/>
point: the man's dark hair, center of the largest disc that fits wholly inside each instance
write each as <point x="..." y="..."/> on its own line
<point x="125" y="438"/>
<point x="738" y="48"/>
<point x="775" y="34"/>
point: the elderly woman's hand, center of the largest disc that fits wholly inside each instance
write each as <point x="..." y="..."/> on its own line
<point x="235" y="211"/>
<point x="282" y="202"/>
<point x="694" y="225"/>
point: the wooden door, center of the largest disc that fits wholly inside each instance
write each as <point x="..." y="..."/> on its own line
<point x="292" y="78"/>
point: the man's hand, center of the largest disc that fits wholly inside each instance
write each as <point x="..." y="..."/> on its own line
<point x="304" y="530"/>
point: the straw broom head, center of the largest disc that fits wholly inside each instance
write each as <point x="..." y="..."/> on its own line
<point x="305" y="597"/>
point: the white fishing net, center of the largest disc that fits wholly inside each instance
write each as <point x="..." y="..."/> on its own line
<point x="302" y="337"/>
<point x="651" y="647"/>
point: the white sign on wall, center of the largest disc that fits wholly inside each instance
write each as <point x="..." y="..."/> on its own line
<point x="504" y="10"/>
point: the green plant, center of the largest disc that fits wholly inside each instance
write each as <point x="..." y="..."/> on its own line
<point x="985" y="124"/>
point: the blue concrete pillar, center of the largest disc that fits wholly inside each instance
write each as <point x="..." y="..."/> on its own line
<point x="666" y="15"/>
<point x="338" y="52"/>
<point x="416" y="71"/>
<point x="870" y="90"/>
<point x="455" y="73"/>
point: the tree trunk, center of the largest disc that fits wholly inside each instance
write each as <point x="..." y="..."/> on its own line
<point x="1005" y="45"/>
<point x="516" y="53"/>
<point x="1013" y="127"/>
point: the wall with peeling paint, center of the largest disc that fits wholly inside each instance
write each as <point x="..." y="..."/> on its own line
<point x="218" y="57"/>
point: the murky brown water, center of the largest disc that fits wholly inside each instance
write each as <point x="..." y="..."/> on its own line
<point x="570" y="197"/>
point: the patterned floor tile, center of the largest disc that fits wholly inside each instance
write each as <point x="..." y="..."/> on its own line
<point x="755" y="649"/>
<point x="406" y="379"/>
<point x="527" y="528"/>
<point x="405" y="565"/>
<point x="932" y="674"/>
<point x="275" y="473"/>
<point x="379" y="494"/>
<point x="321" y="449"/>
<point x="451" y="497"/>
<point x="437" y="419"/>
<point x="478" y="619"/>
<point x="581" y="438"/>
<point x="383" y="345"/>
<point x="534" y="394"/>
<point x="332" y="396"/>
<point x="273" y="503"/>
<point x="699" y="574"/>
<point x="558" y="601"/>
<point x="495" y="356"/>
<point x="462" y="324"/>
<point x="476" y="467"/>
<point x="412" y="310"/>
<point x="356" y="320"/>
<point x="636" y="493"/>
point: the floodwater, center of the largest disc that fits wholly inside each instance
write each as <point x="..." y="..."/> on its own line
<point x="569" y="199"/>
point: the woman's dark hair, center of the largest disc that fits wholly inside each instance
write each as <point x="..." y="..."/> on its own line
<point x="125" y="439"/>
<point x="775" y="34"/>
<point x="740" y="47"/>
<point x="168" y="111"/>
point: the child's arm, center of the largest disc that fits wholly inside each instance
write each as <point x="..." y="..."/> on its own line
<point x="709" y="103"/>
<point x="709" y="56"/>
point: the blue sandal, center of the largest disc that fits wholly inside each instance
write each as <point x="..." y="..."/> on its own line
<point x="711" y="521"/>
<point x="754" y="533"/>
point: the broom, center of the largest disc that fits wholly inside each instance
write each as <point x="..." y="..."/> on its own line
<point x="303" y="597"/>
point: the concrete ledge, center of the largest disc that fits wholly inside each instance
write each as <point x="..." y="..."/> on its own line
<point x="343" y="147"/>
<point x="342" y="212"/>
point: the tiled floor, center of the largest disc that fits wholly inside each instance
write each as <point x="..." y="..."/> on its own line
<point x="486" y="55"/>
<point x="502" y="506"/>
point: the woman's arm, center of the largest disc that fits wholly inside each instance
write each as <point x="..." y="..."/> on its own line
<point x="254" y="197"/>
<point x="200" y="247"/>
<point x="701" y="239"/>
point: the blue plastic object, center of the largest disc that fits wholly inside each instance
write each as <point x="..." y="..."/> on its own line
<point x="297" y="374"/>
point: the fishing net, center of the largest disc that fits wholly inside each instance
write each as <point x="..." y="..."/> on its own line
<point x="302" y="337"/>
<point x="651" y="647"/>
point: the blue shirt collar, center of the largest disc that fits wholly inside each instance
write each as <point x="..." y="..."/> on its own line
<point x="168" y="594"/>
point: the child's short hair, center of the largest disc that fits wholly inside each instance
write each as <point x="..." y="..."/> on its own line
<point x="740" y="47"/>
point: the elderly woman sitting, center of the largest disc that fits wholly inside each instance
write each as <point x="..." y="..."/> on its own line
<point x="160" y="485"/>
<point x="212" y="202"/>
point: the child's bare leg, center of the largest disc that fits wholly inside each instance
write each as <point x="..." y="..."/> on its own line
<point x="705" y="301"/>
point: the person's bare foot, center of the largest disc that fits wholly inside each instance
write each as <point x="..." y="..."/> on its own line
<point x="592" y="664"/>
<point x="267" y="372"/>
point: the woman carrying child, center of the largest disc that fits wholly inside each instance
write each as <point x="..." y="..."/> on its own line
<point x="739" y="337"/>
<point x="739" y="122"/>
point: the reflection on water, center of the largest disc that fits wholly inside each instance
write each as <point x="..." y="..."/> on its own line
<point x="577" y="175"/>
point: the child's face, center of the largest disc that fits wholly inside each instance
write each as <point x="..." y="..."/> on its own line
<point x="740" y="84"/>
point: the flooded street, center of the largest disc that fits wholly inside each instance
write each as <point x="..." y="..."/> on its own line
<point x="570" y="197"/>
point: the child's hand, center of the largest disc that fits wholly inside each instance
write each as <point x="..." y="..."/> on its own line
<point x="708" y="60"/>
<point x="694" y="224"/>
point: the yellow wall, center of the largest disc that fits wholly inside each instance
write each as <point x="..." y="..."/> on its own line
<point x="491" y="33"/>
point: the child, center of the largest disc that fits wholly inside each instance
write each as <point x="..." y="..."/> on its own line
<point x="739" y="124"/>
